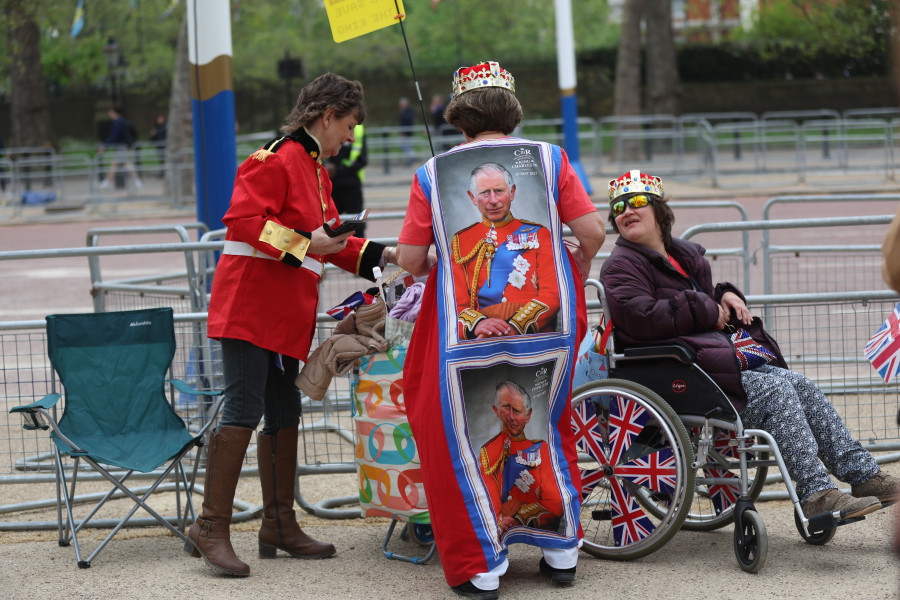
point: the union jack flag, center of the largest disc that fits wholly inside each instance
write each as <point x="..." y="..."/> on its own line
<point x="589" y="431"/>
<point x="883" y="350"/>
<point x="627" y="419"/>
<point x="656" y="471"/>
<point x="723" y="495"/>
<point x="347" y="306"/>
<point x="589" y="479"/>
<point x="630" y="523"/>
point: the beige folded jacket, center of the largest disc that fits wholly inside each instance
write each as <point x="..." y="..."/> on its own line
<point x="359" y="334"/>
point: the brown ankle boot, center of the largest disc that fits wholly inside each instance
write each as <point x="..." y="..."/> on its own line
<point x="277" y="457"/>
<point x="881" y="485"/>
<point x="209" y="535"/>
<point x="833" y="499"/>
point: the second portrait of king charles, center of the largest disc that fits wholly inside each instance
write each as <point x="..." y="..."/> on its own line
<point x="504" y="275"/>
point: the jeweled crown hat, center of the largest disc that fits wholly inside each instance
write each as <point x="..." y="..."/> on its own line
<point x="635" y="182"/>
<point x="487" y="74"/>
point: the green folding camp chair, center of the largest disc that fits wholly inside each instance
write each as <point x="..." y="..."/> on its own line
<point x="112" y="368"/>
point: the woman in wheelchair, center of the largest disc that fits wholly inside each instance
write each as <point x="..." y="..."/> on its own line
<point x="659" y="290"/>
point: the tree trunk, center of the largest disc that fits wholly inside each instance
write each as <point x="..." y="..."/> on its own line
<point x="180" y="133"/>
<point x="895" y="76"/>
<point x="29" y="113"/>
<point x="663" y="83"/>
<point x="627" y="95"/>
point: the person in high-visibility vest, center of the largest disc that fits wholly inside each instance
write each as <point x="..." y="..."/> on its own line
<point x="347" y="172"/>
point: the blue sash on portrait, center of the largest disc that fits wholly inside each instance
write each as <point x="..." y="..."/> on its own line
<point x="522" y="460"/>
<point x="502" y="265"/>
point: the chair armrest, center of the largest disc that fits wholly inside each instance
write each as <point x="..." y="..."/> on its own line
<point x="680" y="353"/>
<point x="184" y="388"/>
<point x="34" y="414"/>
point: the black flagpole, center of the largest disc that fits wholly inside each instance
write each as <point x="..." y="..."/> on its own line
<point x="400" y="17"/>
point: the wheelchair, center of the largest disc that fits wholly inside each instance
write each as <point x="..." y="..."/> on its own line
<point x="661" y="448"/>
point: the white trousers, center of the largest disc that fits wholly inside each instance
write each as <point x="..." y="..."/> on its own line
<point x="558" y="558"/>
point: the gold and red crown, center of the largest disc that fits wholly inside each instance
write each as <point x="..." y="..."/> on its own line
<point x="635" y="182"/>
<point x="487" y="74"/>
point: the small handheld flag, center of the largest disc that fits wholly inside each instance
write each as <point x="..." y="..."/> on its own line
<point x="883" y="350"/>
<point x="347" y="306"/>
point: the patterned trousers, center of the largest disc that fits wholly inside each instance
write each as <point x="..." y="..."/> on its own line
<point x="806" y="427"/>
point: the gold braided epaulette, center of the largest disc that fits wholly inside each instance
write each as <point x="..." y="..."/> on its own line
<point x="269" y="149"/>
<point x="486" y="466"/>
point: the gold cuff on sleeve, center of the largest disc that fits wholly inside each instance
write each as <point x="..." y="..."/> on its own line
<point x="287" y="240"/>
<point x="469" y="317"/>
<point x="531" y="513"/>
<point x="527" y="316"/>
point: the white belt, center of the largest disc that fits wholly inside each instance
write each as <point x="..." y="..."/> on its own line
<point x="244" y="249"/>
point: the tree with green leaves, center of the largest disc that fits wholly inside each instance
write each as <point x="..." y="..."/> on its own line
<point x="807" y="36"/>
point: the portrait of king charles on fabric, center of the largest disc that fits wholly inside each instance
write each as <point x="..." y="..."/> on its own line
<point x="507" y="419"/>
<point x="501" y="248"/>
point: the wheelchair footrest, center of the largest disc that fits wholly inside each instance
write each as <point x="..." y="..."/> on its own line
<point x="822" y="522"/>
<point x="825" y="521"/>
<point x="848" y="521"/>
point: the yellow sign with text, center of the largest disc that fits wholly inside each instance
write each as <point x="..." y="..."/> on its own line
<point x="353" y="18"/>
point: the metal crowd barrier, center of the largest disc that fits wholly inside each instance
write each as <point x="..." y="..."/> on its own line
<point x="841" y="268"/>
<point x="821" y="334"/>
<point x="821" y="148"/>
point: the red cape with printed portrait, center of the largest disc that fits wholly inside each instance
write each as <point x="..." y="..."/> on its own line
<point x="505" y="265"/>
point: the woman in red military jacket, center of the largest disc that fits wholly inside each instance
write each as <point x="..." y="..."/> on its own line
<point x="263" y="311"/>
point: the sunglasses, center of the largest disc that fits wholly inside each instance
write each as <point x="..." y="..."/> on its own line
<point x="638" y="201"/>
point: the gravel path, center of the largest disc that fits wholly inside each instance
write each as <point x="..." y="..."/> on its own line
<point x="149" y="563"/>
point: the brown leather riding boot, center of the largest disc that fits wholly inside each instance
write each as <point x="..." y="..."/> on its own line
<point x="209" y="535"/>
<point x="277" y="456"/>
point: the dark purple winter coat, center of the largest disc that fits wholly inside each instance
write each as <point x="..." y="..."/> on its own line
<point x="653" y="304"/>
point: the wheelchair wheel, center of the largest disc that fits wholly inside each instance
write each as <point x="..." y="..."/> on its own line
<point x="751" y="555"/>
<point x="633" y="451"/>
<point x="713" y="505"/>
<point x="818" y="538"/>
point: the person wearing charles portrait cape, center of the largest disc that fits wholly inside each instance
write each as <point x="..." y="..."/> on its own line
<point x="506" y="296"/>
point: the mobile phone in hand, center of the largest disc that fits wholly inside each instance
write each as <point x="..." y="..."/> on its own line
<point x="348" y="225"/>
